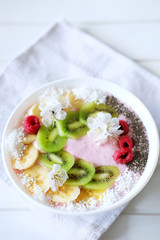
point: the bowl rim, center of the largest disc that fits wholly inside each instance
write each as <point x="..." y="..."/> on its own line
<point x="119" y="203"/>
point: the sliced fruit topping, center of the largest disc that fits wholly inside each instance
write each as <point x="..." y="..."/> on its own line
<point x="64" y="194"/>
<point x="29" y="138"/>
<point x="89" y="194"/>
<point x="103" y="178"/>
<point x="125" y="142"/>
<point x="71" y="127"/>
<point x="122" y="156"/>
<point x="63" y="158"/>
<point x="31" y="124"/>
<point x="75" y="103"/>
<point x="124" y="127"/>
<point x="34" y="110"/>
<point x="81" y="173"/>
<point x="91" y="109"/>
<point x="48" y="139"/>
<point x="29" y="158"/>
<point x="38" y="175"/>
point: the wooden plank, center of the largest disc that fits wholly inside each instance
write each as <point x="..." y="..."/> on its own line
<point x="26" y="225"/>
<point x="134" y="227"/>
<point x="137" y="41"/>
<point x="47" y="11"/>
<point x="152" y="66"/>
<point x="148" y="201"/>
<point x="15" y="39"/>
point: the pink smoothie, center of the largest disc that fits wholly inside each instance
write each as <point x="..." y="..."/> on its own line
<point x="87" y="149"/>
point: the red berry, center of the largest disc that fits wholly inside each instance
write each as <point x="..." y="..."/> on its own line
<point x="125" y="142"/>
<point x="122" y="156"/>
<point x="31" y="124"/>
<point x="124" y="127"/>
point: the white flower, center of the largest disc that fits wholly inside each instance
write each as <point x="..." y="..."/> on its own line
<point x="50" y="115"/>
<point x="89" y="95"/>
<point x="51" y="104"/>
<point x="57" y="177"/>
<point x="102" y="127"/>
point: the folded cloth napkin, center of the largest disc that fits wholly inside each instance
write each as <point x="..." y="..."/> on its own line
<point x="65" y="51"/>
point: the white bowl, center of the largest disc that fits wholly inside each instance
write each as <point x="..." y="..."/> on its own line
<point x="118" y="92"/>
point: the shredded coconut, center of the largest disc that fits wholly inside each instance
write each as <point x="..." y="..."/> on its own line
<point x="89" y="95"/>
<point x="37" y="192"/>
<point x="26" y="180"/>
<point x="15" y="143"/>
<point x="123" y="184"/>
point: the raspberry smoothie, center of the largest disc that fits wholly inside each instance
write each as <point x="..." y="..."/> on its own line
<point x="99" y="155"/>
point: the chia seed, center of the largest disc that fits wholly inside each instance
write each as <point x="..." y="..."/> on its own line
<point x="139" y="137"/>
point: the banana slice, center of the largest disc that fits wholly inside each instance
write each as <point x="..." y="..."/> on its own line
<point x="64" y="194"/>
<point x="39" y="175"/>
<point x="34" y="110"/>
<point x="29" y="158"/>
<point x="75" y="103"/>
<point x="29" y="138"/>
<point x="86" y="194"/>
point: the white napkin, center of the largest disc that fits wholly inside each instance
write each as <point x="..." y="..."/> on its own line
<point x="65" y="51"/>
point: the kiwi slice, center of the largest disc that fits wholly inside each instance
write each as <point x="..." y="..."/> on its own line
<point x="91" y="109"/>
<point x="48" y="139"/>
<point x="63" y="158"/>
<point x="71" y="127"/>
<point x="103" y="178"/>
<point x="81" y="173"/>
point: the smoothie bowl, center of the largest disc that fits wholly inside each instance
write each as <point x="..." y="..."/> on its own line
<point x="80" y="146"/>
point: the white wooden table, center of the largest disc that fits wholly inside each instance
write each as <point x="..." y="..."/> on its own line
<point x="131" y="27"/>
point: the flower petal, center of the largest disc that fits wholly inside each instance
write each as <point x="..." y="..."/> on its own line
<point x="60" y="114"/>
<point x="102" y="127"/>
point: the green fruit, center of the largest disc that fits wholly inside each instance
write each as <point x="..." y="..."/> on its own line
<point x="71" y="127"/>
<point x="91" y="109"/>
<point x="103" y="178"/>
<point x="81" y="173"/>
<point x="48" y="139"/>
<point x="63" y="158"/>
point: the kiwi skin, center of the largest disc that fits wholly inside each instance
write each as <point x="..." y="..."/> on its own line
<point x="63" y="158"/>
<point x="81" y="173"/>
<point x="103" y="178"/>
<point x="71" y="127"/>
<point x="90" y="109"/>
<point x="48" y="139"/>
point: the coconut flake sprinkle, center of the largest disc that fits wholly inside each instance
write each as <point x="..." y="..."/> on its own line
<point x="89" y="95"/>
<point x="15" y="144"/>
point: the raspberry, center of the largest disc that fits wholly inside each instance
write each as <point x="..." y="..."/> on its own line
<point x="125" y="142"/>
<point x="124" y="127"/>
<point x="31" y="124"/>
<point x="122" y="156"/>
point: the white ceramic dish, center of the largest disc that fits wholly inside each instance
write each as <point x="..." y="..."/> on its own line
<point x="118" y="92"/>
